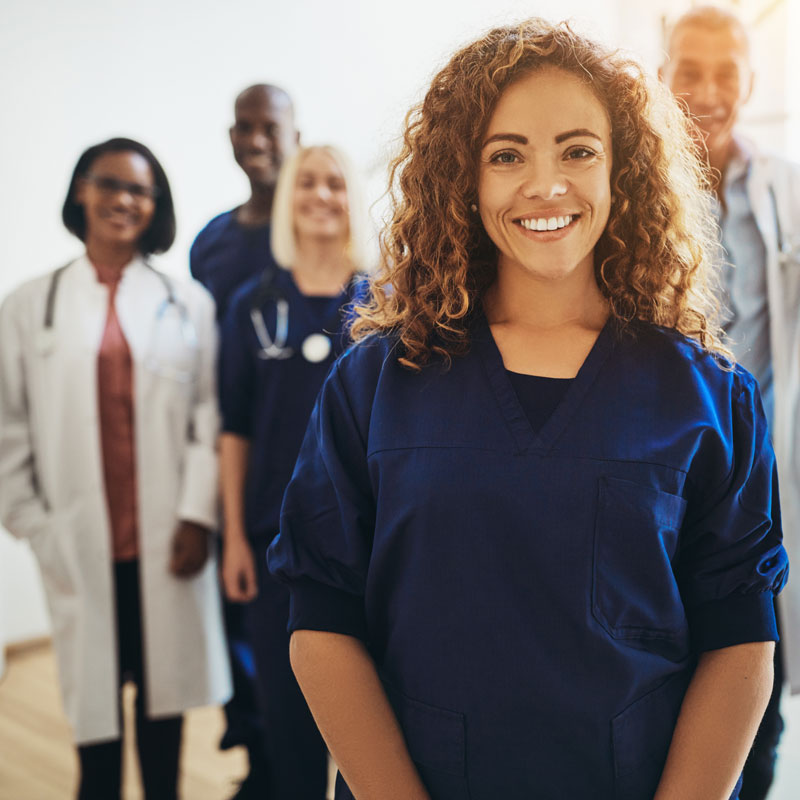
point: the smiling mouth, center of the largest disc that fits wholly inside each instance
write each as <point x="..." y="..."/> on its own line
<point x="547" y="223"/>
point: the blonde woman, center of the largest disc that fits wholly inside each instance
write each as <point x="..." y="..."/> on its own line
<point x="279" y="339"/>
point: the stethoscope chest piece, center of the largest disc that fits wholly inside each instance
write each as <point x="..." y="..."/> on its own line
<point x="316" y="347"/>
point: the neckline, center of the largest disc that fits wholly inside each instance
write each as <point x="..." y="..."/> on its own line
<point x="533" y="378"/>
<point x="524" y="436"/>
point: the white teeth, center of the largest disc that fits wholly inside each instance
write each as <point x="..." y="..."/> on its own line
<point x="549" y="224"/>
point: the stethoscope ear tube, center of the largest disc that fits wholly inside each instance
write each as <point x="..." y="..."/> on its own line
<point x="52" y="290"/>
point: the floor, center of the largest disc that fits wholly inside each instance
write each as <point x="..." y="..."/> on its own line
<point x="37" y="761"/>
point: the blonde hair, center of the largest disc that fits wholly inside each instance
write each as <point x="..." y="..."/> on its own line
<point x="282" y="235"/>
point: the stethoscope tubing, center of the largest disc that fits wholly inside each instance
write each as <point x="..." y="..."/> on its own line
<point x="52" y="291"/>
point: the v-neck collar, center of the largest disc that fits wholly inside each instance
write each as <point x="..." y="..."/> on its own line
<point x="330" y="319"/>
<point x="524" y="436"/>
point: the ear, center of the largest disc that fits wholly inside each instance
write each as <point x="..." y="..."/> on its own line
<point x="230" y="134"/>
<point x="751" y="82"/>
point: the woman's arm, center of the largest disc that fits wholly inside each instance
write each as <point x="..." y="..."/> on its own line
<point x="718" y="722"/>
<point x="22" y="509"/>
<point x="346" y="697"/>
<point x="198" y="497"/>
<point x="238" y="565"/>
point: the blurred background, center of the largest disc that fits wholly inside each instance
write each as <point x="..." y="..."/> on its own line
<point x="166" y="72"/>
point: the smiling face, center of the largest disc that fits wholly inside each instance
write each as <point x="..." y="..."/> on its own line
<point x="118" y="198"/>
<point x="544" y="176"/>
<point x="319" y="204"/>
<point x="709" y="69"/>
<point x="263" y="134"/>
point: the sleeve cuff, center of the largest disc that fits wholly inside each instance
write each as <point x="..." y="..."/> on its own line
<point x="318" y="607"/>
<point x="237" y="426"/>
<point x="198" y="501"/>
<point x="737" y="619"/>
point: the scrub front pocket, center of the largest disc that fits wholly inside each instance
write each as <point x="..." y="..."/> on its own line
<point x="436" y="741"/>
<point x="641" y="736"/>
<point x="635" y="595"/>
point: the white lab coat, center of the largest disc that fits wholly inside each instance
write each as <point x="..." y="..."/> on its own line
<point x="52" y="485"/>
<point x="775" y="178"/>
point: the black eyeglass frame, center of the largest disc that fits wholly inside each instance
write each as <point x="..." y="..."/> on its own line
<point x="111" y="185"/>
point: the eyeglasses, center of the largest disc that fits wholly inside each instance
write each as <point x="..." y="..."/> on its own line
<point x="108" y="185"/>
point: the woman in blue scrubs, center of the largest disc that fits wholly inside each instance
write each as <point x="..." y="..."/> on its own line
<point x="280" y="336"/>
<point x="532" y="537"/>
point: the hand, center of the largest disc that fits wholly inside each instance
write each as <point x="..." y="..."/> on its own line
<point x="238" y="570"/>
<point x="189" y="549"/>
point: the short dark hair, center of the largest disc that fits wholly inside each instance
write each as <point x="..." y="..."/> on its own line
<point x="158" y="238"/>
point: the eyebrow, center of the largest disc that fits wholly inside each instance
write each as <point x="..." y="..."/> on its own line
<point x="561" y="137"/>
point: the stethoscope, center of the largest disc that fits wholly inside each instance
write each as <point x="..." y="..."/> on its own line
<point x="161" y="324"/>
<point x="316" y="347"/>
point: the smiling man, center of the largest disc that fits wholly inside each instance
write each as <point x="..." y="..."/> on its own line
<point x="231" y="249"/>
<point x="234" y="246"/>
<point x="758" y="208"/>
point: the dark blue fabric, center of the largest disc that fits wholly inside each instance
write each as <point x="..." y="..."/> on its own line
<point x="225" y="254"/>
<point x="530" y="599"/>
<point x="538" y="396"/>
<point x="295" y="758"/>
<point x="269" y="401"/>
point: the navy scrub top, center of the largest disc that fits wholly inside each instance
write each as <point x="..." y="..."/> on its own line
<point x="226" y="253"/>
<point x="269" y="401"/>
<point x="535" y="602"/>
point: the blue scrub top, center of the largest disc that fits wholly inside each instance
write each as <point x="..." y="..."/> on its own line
<point x="535" y="601"/>
<point x="225" y="254"/>
<point x="269" y="401"/>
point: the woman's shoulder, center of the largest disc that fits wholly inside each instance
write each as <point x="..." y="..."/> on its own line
<point x="682" y="357"/>
<point x="30" y="293"/>
<point x="368" y="357"/>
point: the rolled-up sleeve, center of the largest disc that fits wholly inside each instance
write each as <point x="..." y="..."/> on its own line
<point x="732" y="561"/>
<point x="327" y="521"/>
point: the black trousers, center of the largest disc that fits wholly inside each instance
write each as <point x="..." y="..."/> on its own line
<point x="759" y="770"/>
<point x="294" y="752"/>
<point x="158" y="740"/>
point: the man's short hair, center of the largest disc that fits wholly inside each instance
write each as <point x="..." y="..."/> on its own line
<point x="710" y="18"/>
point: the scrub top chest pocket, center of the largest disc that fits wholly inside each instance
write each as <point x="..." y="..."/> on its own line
<point x="635" y="594"/>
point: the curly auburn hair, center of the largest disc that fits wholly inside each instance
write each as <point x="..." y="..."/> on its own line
<point x="652" y="262"/>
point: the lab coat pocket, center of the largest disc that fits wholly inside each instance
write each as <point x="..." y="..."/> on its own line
<point x="635" y="595"/>
<point x="436" y="741"/>
<point x="53" y="555"/>
<point x="641" y="736"/>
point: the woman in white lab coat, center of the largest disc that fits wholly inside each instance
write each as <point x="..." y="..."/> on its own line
<point x="108" y="422"/>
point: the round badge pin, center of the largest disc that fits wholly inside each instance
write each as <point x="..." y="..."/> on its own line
<point x="316" y="347"/>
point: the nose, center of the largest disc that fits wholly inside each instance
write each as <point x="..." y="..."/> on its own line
<point x="543" y="179"/>
<point x="322" y="191"/>
<point x="259" y="140"/>
<point x="706" y="92"/>
<point x="124" y="196"/>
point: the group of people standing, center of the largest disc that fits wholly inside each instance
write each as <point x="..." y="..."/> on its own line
<point x="531" y="538"/>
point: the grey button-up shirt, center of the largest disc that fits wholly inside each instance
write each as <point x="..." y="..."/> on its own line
<point x="744" y="278"/>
